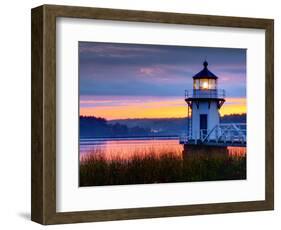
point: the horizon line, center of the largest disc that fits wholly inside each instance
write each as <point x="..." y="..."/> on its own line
<point x="154" y="118"/>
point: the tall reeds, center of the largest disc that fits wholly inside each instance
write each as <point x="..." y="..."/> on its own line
<point x="150" y="168"/>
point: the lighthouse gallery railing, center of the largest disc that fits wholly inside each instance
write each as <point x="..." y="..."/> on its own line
<point x="205" y="93"/>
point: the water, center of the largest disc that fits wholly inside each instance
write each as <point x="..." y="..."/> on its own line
<point x="126" y="148"/>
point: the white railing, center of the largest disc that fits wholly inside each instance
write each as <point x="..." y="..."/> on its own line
<point x="222" y="133"/>
<point x="205" y="93"/>
<point x="232" y="132"/>
<point x="184" y="139"/>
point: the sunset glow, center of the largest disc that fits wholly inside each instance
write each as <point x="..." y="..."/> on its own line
<point x="113" y="108"/>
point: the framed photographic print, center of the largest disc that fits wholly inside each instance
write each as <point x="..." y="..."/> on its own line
<point x="141" y="114"/>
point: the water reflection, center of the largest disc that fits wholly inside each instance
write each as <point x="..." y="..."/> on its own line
<point x="236" y="151"/>
<point x="127" y="148"/>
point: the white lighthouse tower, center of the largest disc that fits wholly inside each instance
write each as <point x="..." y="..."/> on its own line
<point x="204" y="102"/>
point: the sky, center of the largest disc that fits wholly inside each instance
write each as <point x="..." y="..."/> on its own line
<point x="121" y="81"/>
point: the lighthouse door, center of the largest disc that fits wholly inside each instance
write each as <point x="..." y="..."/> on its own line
<point x="203" y="125"/>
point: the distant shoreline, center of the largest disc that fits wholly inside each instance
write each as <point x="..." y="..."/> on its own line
<point x="96" y="127"/>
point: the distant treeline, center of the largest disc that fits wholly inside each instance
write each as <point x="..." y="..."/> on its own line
<point x="100" y="127"/>
<point x="234" y="118"/>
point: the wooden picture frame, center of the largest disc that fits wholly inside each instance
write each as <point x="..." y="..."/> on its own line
<point x="43" y="208"/>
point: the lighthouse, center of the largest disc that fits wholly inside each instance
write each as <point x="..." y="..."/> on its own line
<point x="204" y="102"/>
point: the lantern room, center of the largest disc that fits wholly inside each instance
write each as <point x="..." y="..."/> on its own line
<point x="205" y="79"/>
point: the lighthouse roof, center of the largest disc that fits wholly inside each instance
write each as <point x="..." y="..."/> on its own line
<point x="205" y="73"/>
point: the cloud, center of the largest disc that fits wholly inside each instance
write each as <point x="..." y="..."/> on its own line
<point x="150" y="71"/>
<point x="155" y="70"/>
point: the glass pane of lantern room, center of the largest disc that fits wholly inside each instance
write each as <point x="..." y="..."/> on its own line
<point x="204" y="84"/>
<point x="212" y="84"/>
<point x="196" y="84"/>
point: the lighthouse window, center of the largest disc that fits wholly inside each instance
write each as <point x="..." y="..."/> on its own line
<point x="204" y="84"/>
<point x="196" y="84"/>
<point x="212" y="84"/>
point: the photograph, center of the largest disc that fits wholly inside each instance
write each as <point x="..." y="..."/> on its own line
<point x="141" y="114"/>
<point x="151" y="113"/>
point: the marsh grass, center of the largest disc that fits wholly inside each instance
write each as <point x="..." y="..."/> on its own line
<point x="151" y="168"/>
